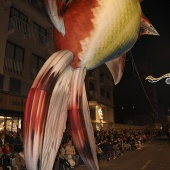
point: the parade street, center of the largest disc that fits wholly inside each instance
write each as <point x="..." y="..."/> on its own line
<point x="152" y="156"/>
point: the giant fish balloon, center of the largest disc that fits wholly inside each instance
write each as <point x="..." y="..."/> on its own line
<point x="87" y="34"/>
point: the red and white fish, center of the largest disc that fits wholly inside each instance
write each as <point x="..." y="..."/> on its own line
<point x="87" y="34"/>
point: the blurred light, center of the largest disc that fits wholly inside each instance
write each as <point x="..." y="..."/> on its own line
<point x="152" y="79"/>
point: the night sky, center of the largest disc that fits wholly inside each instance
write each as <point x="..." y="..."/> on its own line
<point x="154" y="50"/>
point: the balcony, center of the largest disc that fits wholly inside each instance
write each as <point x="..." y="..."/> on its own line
<point x="13" y="66"/>
<point x="17" y="25"/>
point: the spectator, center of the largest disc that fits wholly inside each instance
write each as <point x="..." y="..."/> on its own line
<point x="2" y="139"/>
<point x="99" y="152"/>
<point x="3" y="160"/>
<point x="7" y="149"/>
<point x="16" y="142"/>
<point x="8" y="153"/>
<point x="110" y="151"/>
<point x="62" y="157"/>
<point x="71" y="153"/>
<point x="20" y="160"/>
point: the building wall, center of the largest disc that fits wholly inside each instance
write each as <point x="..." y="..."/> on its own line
<point x="25" y="30"/>
<point x="23" y="34"/>
<point x="99" y="88"/>
<point x="22" y="31"/>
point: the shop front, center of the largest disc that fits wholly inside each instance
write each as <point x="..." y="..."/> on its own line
<point x="102" y="116"/>
<point x="11" y="112"/>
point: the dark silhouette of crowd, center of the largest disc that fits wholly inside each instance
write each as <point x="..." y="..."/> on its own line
<point x="110" y="144"/>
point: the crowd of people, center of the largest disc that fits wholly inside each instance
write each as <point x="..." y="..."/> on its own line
<point x="110" y="144"/>
<point x="11" y="150"/>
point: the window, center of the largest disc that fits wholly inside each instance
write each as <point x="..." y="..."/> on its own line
<point x="14" y="51"/>
<point x="15" y="13"/>
<point x="40" y="29"/>
<point x="91" y="86"/>
<point x="102" y="75"/>
<point x="37" y="62"/>
<point x="42" y="33"/>
<point x="102" y="92"/>
<point x="39" y="5"/>
<point x="91" y="73"/>
<point x="108" y="95"/>
<point x="15" y="86"/>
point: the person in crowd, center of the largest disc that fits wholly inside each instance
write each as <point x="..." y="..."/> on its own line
<point x="99" y="151"/>
<point x="21" y="137"/>
<point x="103" y="146"/>
<point x="7" y="149"/>
<point x="71" y="152"/>
<point x="110" y="151"/>
<point x="20" y="160"/>
<point x="62" y="158"/>
<point x="2" y="139"/>
<point x="3" y="160"/>
<point x="120" y="145"/>
<point x="8" y="154"/>
<point x="16" y="142"/>
<point x="8" y="136"/>
<point x="133" y="143"/>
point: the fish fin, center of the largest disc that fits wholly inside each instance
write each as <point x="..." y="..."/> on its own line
<point x="147" y="27"/>
<point x="116" y="67"/>
<point x="55" y="10"/>
<point x="80" y="121"/>
<point x="37" y="106"/>
<point x="56" y="119"/>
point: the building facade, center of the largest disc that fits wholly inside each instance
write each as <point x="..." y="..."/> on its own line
<point x="99" y="89"/>
<point x="26" y="42"/>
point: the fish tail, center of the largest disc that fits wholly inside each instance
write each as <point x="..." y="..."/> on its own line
<point x="46" y="111"/>
<point x="58" y="91"/>
<point x="80" y="121"/>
